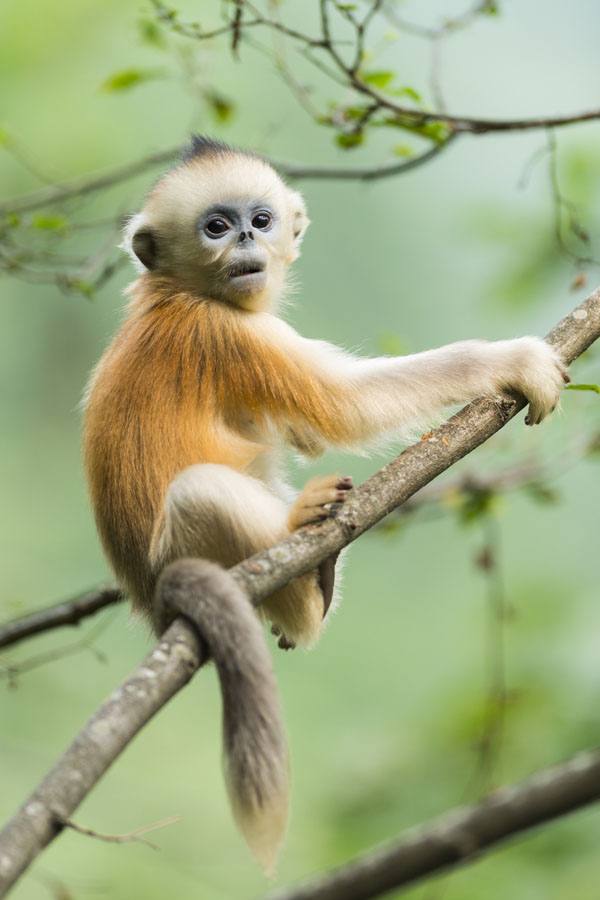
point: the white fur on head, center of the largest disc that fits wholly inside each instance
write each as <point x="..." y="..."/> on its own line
<point x="300" y="220"/>
<point x="132" y="226"/>
<point x="162" y="237"/>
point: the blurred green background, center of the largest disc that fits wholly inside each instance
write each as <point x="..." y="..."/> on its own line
<point x="386" y="715"/>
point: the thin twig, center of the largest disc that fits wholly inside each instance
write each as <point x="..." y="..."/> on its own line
<point x="11" y="671"/>
<point x="120" y="838"/>
<point x="364" y="173"/>
<point x="67" y="612"/>
<point x="78" y="187"/>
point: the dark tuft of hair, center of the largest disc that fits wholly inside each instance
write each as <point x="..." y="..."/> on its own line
<point x="201" y="146"/>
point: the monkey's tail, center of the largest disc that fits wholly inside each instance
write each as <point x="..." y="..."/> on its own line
<point x="255" y="752"/>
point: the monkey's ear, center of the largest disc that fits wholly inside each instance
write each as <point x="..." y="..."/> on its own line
<point x="143" y="244"/>
<point x="300" y="220"/>
<point x="139" y="241"/>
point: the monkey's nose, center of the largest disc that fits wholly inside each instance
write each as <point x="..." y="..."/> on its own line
<point x="245" y="236"/>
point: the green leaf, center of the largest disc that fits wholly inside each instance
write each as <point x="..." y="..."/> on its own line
<point x="151" y="33"/>
<point x="541" y="493"/>
<point x="82" y="287"/>
<point x="351" y="139"/>
<point x="476" y="503"/>
<point x="406" y="91"/>
<point x="403" y="150"/>
<point x="435" y="131"/>
<point x="354" y="112"/>
<point x="377" y="79"/>
<point x="584" y="387"/>
<point x="128" y="78"/>
<point x="222" y="107"/>
<point x="49" y="223"/>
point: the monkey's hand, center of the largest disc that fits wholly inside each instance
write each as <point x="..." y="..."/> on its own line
<point x="532" y="368"/>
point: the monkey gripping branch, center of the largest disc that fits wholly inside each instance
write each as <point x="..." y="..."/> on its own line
<point x="181" y="651"/>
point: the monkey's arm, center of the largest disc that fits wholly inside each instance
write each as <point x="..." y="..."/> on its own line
<point x="375" y="397"/>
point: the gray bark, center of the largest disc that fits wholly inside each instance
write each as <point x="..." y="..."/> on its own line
<point x="461" y="835"/>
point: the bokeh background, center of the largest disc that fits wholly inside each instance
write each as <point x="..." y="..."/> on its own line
<point x="389" y="714"/>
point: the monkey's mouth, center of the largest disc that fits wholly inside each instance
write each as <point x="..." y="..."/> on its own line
<point x="243" y="270"/>
<point x="247" y="277"/>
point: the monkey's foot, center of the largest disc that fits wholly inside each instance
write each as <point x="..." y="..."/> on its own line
<point x="318" y="499"/>
<point x="283" y="642"/>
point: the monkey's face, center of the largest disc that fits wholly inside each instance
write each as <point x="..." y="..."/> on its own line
<point x="224" y="228"/>
<point x="242" y="248"/>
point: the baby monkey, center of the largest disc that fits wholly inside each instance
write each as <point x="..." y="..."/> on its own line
<point x="189" y="410"/>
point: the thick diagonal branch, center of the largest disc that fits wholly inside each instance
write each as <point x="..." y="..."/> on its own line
<point x="179" y="653"/>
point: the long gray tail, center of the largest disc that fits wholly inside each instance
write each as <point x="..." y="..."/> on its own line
<point x="255" y="752"/>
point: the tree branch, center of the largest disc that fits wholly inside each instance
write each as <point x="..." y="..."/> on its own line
<point x="180" y="651"/>
<point x="86" y="184"/>
<point x="78" y="187"/>
<point x="69" y="612"/>
<point x="361" y="173"/>
<point x="460" y="835"/>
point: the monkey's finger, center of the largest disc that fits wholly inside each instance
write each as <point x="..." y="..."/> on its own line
<point x="325" y="495"/>
<point x="307" y="514"/>
<point x="322" y="482"/>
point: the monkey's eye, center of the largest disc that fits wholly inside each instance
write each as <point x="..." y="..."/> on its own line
<point x="216" y="227"/>
<point x="262" y="221"/>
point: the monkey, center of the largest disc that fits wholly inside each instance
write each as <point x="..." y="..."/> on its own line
<point x="190" y="409"/>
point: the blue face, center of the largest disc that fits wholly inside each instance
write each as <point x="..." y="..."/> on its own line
<point x="243" y="237"/>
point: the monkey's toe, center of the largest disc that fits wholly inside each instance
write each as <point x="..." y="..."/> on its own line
<point x="286" y="644"/>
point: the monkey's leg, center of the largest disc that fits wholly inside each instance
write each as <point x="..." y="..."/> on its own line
<point x="215" y="512"/>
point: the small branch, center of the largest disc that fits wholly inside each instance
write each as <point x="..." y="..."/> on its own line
<point x="69" y="612"/>
<point x="180" y="651"/>
<point x="526" y="474"/>
<point x="78" y="187"/>
<point x="460" y="125"/>
<point x="460" y="835"/>
<point x="366" y="173"/>
<point x="11" y="671"/>
<point x="120" y="838"/>
<point x="162" y="673"/>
